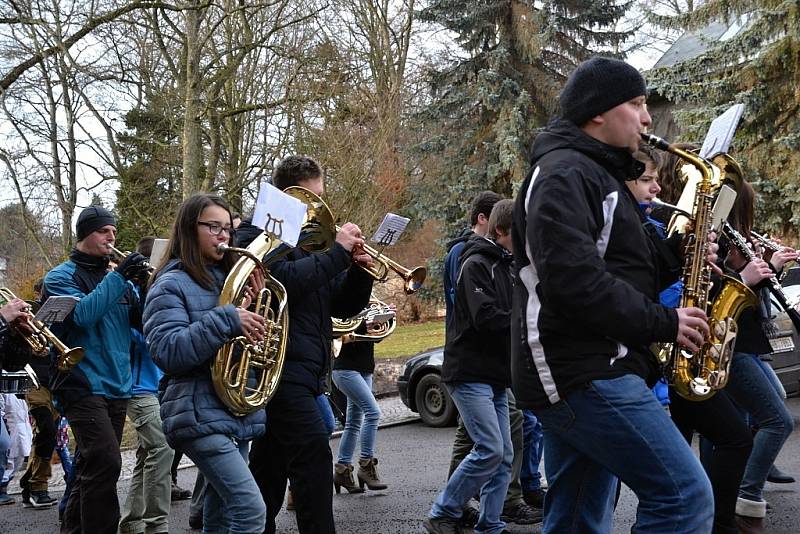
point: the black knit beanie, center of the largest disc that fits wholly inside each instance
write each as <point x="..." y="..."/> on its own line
<point x="91" y="219"/>
<point x="597" y="85"/>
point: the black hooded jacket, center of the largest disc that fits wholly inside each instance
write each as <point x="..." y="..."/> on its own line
<point x="477" y="346"/>
<point x="588" y="277"/>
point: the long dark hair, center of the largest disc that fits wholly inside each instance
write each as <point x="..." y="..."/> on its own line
<point x="182" y="243"/>
<point x="742" y="215"/>
<point x="668" y="177"/>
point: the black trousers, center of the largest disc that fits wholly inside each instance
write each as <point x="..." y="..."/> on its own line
<point x="296" y="448"/>
<point x="718" y="420"/>
<point x="93" y="506"/>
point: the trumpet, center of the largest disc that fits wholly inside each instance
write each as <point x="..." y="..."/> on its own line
<point x="122" y="255"/>
<point x="413" y="278"/>
<point x="40" y="337"/>
<point x="383" y="264"/>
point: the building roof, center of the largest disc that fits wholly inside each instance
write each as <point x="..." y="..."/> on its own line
<point x="692" y="44"/>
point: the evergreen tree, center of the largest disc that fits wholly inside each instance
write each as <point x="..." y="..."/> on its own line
<point x="150" y="186"/>
<point x="486" y="107"/>
<point x="760" y="67"/>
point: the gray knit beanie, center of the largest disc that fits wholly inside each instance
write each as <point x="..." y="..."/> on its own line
<point x="597" y="85"/>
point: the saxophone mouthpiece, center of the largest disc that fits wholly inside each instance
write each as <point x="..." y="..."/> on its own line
<point x="654" y="141"/>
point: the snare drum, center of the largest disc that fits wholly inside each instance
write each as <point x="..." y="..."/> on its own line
<point x="16" y="382"/>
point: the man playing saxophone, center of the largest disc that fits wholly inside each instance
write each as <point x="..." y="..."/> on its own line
<point x="586" y="310"/>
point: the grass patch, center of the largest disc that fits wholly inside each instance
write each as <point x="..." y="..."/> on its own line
<point x="410" y="339"/>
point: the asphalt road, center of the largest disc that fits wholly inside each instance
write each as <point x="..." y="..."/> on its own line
<point x="413" y="461"/>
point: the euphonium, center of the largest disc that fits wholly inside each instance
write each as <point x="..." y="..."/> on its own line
<point x="40" y="337"/>
<point x="413" y="278"/>
<point x="698" y="376"/>
<point x="246" y="375"/>
<point x="380" y="320"/>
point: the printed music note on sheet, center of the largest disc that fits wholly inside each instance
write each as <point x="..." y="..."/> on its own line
<point x="390" y="230"/>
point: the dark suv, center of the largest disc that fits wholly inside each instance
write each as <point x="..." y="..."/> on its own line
<point x="422" y="391"/>
<point x="786" y="344"/>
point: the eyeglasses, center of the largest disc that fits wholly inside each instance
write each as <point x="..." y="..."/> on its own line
<point x="216" y="229"/>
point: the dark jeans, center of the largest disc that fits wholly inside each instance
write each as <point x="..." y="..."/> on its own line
<point x="97" y="426"/>
<point x="296" y="447"/>
<point x="718" y="420"/>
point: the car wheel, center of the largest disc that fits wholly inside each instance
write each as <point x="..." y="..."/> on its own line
<point x="434" y="403"/>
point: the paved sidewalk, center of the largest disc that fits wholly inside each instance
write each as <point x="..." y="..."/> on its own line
<point x="393" y="412"/>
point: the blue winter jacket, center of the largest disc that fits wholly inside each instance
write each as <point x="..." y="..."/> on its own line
<point x="100" y="323"/>
<point x="185" y="328"/>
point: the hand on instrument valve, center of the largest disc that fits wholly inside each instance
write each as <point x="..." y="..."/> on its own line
<point x="362" y="258"/>
<point x="349" y="236"/>
<point x="17" y="311"/>
<point x="255" y="283"/>
<point x="252" y="325"/>
<point x="692" y="328"/>
<point x="134" y="267"/>
<point x="711" y="253"/>
<point x="783" y="256"/>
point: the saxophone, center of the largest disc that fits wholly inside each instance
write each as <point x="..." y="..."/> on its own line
<point x="698" y="376"/>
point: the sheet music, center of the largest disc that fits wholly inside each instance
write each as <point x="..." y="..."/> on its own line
<point x="56" y="309"/>
<point x="720" y="133"/>
<point x="279" y="214"/>
<point x="159" y="252"/>
<point x="390" y="230"/>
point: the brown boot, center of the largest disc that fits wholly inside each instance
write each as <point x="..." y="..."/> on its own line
<point x="750" y="516"/>
<point x="343" y="478"/>
<point x="368" y="474"/>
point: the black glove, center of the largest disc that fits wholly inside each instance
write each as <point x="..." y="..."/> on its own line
<point x="133" y="267"/>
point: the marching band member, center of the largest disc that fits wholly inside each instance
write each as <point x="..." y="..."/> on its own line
<point x="749" y="385"/>
<point x="716" y="418"/>
<point x="296" y="446"/>
<point x="94" y="395"/>
<point x="185" y="327"/>
<point x="352" y="374"/>
<point x="587" y="308"/>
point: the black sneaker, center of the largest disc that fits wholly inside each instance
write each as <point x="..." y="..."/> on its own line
<point x="442" y="525"/>
<point x="40" y="499"/>
<point x="522" y="514"/>
<point x="534" y="498"/>
<point x="179" y="494"/>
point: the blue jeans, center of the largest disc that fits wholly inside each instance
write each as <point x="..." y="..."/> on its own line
<point x="233" y="501"/>
<point x="487" y="468"/>
<point x="530" y="478"/>
<point x="361" y="408"/>
<point x="752" y="389"/>
<point x="326" y="412"/>
<point x="5" y="444"/>
<point x="66" y="464"/>
<point x="617" y="428"/>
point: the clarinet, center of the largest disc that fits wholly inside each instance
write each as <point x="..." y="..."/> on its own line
<point x="774" y="285"/>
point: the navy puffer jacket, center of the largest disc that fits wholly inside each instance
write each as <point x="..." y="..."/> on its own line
<point x="185" y="328"/>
